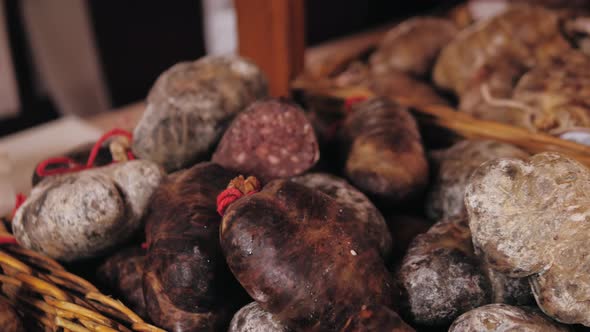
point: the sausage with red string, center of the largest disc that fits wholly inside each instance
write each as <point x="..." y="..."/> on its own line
<point x="299" y="254"/>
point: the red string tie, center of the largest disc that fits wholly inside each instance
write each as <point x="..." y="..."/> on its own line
<point x="237" y="188"/>
<point x="71" y="165"/>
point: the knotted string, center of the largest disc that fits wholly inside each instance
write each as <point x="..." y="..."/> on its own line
<point x="72" y="165"/>
<point x="237" y="188"/>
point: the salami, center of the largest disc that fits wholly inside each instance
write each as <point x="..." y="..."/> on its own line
<point x="190" y="106"/>
<point x="271" y="139"/>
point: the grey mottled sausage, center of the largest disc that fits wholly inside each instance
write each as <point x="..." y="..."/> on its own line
<point x="84" y="214"/>
<point x="190" y="106"/>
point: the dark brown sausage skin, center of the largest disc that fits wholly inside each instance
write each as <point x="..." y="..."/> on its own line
<point x="385" y="156"/>
<point x="187" y="284"/>
<point x="298" y="253"/>
<point x="376" y="318"/>
<point x="10" y="321"/>
<point x="271" y="139"/>
<point x="122" y="274"/>
<point x="371" y="222"/>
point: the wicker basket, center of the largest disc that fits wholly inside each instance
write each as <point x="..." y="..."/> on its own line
<point x="49" y="298"/>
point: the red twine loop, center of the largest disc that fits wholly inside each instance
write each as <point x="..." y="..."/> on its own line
<point x="72" y="166"/>
<point x="235" y="190"/>
<point x="227" y="197"/>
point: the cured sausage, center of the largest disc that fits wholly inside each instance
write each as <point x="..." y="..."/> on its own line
<point x="186" y="282"/>
<point x="271" y="139"/>
<point x="85" y="214"/>
<point x="299" y="254"/>
<point x="190" y="106"/>
<point x="385" y="157"/>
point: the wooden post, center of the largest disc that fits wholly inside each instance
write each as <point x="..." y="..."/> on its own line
<point x="272" y="34"/>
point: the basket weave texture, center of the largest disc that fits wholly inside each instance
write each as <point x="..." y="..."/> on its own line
<point x="49" y="298"/>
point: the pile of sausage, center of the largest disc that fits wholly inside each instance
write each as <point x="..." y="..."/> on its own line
<point x="248" y="228"/>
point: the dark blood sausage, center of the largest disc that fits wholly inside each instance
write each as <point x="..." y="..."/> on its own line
<point x="271" y="139"/>
<point x="187" y="284"/>
<point x="376" y="318"/>
<point x="441" y="277"/>
<point x="370" y="220"/>
<point x="385" y="156"/>
<point x="190" y="106"/>
<point x="10" y="321"/>
<point x="122" y="274"/>
<point x="252" y="318"/>
<point x="505" y="318"/>
<point x="299" y="254"/>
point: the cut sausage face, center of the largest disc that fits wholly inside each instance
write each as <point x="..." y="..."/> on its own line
<point x="271" y="139"/>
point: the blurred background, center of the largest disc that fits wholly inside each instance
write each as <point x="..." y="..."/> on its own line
<point x="85" y="57"/>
